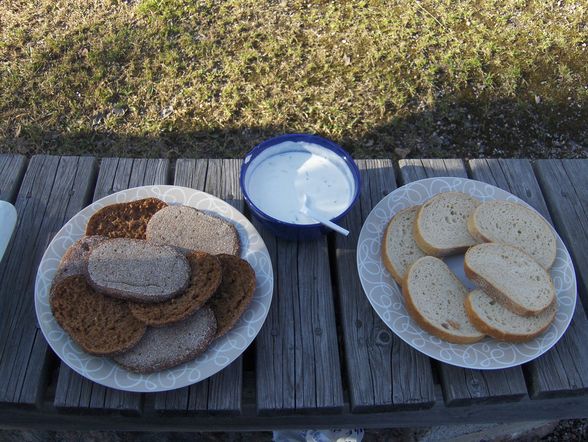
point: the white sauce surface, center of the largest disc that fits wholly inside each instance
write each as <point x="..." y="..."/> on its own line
<point x="277" y="183"/>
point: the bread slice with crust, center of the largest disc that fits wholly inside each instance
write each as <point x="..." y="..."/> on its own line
<point x="190" y="230"/>
<point x="399" y="249"/>
<point x="511" y="277"/>
<point x="137" y="270"/>
<point x="440" y="228"/>
<point x="234" y="293"/>
<point x="496" y="321"/>
<point x="166" y="347"/>
<point x="99" y="324"/>
<point x="124" y="220"/>
<point x="434" y="297"/>
<point x="511" y="223"/>
<point x="205" y="277"/>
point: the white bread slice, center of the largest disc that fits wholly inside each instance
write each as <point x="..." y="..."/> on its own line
<point x="511" y="277"/>
<point x="493" y="319"/>
<point x="434" y="297"/>
<point x="399" y="249"/>
<point x="517" y="225"/>
<point x="441" y="225"/>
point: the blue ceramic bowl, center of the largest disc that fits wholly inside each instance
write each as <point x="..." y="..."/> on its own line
<point x="263" y="151"/>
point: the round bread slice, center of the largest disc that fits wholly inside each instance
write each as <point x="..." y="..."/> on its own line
<point x="124" y="220"/>
<point x="193" y="230"/>
<point x="399" y="249"/>
<point x="75" y="258"/>
<point x="434" y="297"/>
<point x="100" y="325"/>
<point x="137" y="270"/>
<point x="493" y="319"/>
<point x="234" y="293"/>
<point x="206" y="274"/>
<point x="517" y="225"/>
<point x="511" y="277"/>
<point x="172" y="345"/>
<point x="441" y="224"/>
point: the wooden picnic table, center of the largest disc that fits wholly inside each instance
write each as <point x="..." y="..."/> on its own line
<point x="323" y="357"/>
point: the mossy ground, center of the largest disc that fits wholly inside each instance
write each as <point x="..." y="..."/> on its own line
<point x="190" y="78"/>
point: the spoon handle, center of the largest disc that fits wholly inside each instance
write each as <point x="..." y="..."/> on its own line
<point x="324" y="221"/>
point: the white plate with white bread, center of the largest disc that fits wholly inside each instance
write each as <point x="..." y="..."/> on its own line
<point x="528" y="319"/>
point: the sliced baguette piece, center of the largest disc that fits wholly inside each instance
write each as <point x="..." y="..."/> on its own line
<point x="493" y="319"/>
<point x="434" y="297"/>
<point x="440" y="228"/>
<point x="511" y="277"/>
<point x="511" y="223"/>
<point x="399" y="249"/>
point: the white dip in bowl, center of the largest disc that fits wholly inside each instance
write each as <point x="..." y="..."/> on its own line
<point x="278" y="179"/>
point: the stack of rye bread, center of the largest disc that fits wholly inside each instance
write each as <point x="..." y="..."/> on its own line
<point x="151" y="285"/>
<point x="509" y="250"/>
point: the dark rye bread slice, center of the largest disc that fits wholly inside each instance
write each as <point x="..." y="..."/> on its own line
<point x="136" y="270"/>
<point x="99" y="324"/>
<point x="124" y="220"/>
<point x="75" y="258"/>
<point x="172" y="345"/>
<point x="234" y="293"/>
<point x="206" y="273"/>
<point x="190" y="229"/>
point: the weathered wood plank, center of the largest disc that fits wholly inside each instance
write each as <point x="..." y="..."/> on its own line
<point x="52" y="191"/>
<point x="383" y="371"/>
<point x="565" y="187"/>
<point x="12" y="169"/>
<point x="298" y="367"/>
<point x="73" y="391"/>
<point x="463" y="386"/>
<point x="220" y="393"/>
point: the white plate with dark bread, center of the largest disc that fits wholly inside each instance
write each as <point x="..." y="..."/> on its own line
<point x="148" y="303"/>
<point x="466" y="273"/>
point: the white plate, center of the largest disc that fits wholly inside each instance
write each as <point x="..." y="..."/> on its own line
<point x="386" y="298"/>
<point x="219" y="355"/>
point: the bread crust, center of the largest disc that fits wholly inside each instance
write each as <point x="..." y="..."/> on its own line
<point x="384" y="249"/>
<point x="501" y="297"/>
<point x="476" y="234"/>
<point x="496" y="333"/>
<point x="424" y="323"/>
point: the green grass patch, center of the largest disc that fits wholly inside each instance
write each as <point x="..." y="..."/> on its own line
<point x="213" y="78"/>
